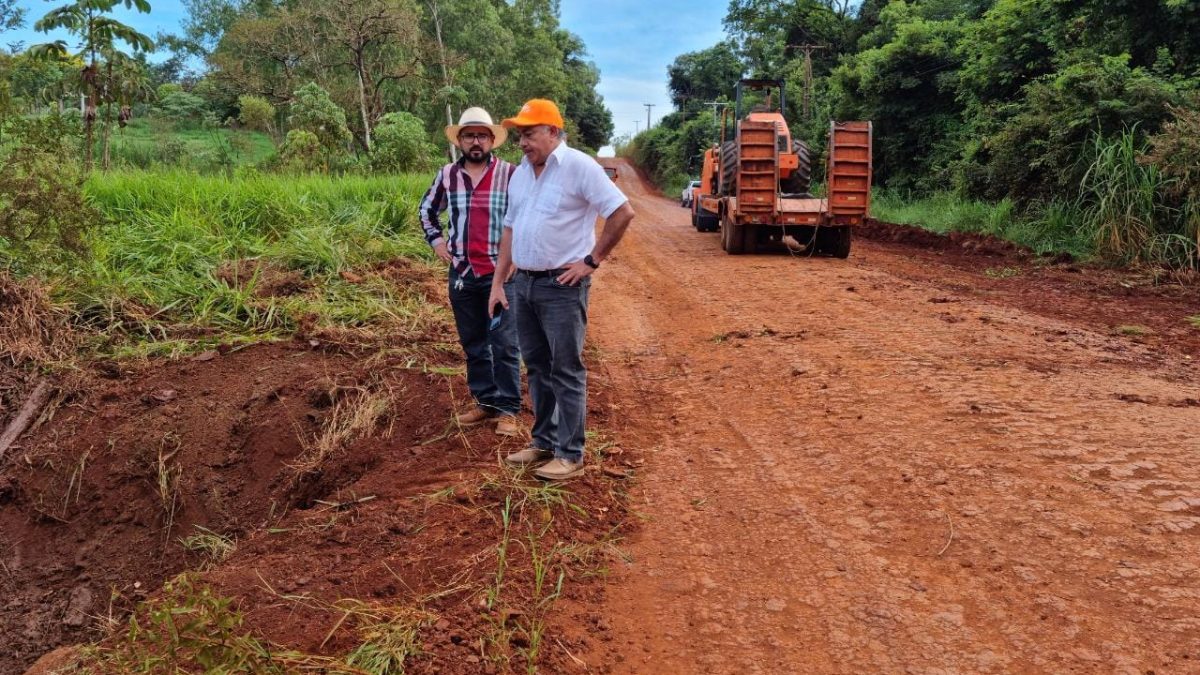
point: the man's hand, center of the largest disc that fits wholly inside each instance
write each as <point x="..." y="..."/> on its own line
<point x="575" y="272"/>
<point x="496" y="297"/>
<point x="442" y="252"/>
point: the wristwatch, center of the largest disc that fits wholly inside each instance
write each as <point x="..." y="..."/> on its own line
<point x="591" y="262"/>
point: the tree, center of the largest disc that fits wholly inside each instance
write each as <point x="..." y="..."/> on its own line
<point x="11" y="16"/>
<point x="905" y="81"/>
<point x="401" y="143"/>
<point x="767" y="32"/>
<point x="379" y="41"/>
<point x="256" y="112"/>
<point x="126" y="82"/>
<point x="313" y="111"/>
<point x="98" y="34"/>
<point x="268" y="56"/>
<point x="582" y="104"/>
<point x="710" y="74"/>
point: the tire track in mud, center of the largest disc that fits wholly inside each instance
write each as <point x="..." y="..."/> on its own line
<point x="849" y="471"/>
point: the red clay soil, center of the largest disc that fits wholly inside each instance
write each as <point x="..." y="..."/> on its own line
<point x="82" y="517"/>
<point x="935" y="456"/>
<point x="924" y="458"/>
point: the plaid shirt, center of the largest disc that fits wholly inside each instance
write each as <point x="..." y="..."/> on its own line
<point x="476" y="214"/>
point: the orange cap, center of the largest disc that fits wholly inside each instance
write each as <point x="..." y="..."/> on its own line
<point x="536" y="111"/>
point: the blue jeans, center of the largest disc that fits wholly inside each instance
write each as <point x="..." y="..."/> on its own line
<point x="552" y="322"/>
<point x="493" y="358"/>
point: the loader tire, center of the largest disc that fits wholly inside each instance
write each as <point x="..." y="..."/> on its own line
<point x="729" y="168"/>
<point x="798" y="183"/>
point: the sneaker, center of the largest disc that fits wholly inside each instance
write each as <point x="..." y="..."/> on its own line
<point x="506" y="425"/>
<point x="530" y="455"/>
<point x="559" y="469"/>
<point x="473" y="417"/>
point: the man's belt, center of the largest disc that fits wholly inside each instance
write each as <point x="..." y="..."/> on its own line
<point x="541" y="274"/>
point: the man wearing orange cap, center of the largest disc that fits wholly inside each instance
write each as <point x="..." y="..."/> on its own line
<point x="555" y="196"/>
<point x="474" y="193"/>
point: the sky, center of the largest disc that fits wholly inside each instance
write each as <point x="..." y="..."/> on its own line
<point x="630" y="41"/>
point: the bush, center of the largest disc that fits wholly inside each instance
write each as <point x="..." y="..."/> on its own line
<point x="183" y="108"/>
<point x="43" y="213"/>
<point x="302" y="152"/>
<point x="1034" y="149"/>
<point x="256" y="113"/>
<point x="315" y="112"/>
<point x="1176" y="151"/>
<point x="401" y="144"/>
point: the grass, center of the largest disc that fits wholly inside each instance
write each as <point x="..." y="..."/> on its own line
<point x="212" y="546"/>
<point x="187" y="627"/>
<point x="1050" y="230"/>
<point x="1132" y="331"/>
<point x="353" y="416"/>
<point x="148" y="144"/>
<point x="162" y="270"/>
<point x="1120" y="214"/>
<point x="1001" y="272"/>
<point x="390" y="636"/>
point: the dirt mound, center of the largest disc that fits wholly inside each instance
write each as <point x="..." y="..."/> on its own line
<point x="328" y="475"/>
<point x="966" y="242"/>
<point x="406" y="274"/>
<point x="268" y="280"/>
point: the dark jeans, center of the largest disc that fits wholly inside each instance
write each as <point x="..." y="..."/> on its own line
<point x="552" y="322"/>
<point x="493" y="358"/>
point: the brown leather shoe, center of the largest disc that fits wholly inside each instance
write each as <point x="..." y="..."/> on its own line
<point x="559" y="469"/>
<point x="530" y="455"/>
<point x="472" y="417"/>
<point x="506" y="425"/>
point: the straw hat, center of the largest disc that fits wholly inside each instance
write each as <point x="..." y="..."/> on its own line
<point x="476" y="117"/>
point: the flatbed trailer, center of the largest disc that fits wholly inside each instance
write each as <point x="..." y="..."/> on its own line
<point x="756" y="213"/>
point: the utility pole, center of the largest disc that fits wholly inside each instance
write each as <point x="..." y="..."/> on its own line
<point x="715" y="105"/>
<point x="808" y="50"/>
<point x="648" y="107"/>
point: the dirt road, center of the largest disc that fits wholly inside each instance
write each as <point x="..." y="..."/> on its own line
<point x="865" y="466"/>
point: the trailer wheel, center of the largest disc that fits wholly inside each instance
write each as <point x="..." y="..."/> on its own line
<point x="729" y="165"/>
<point x="799" y="182"/>
<point x="733" y="237"/>
<point x="834" y="241"/>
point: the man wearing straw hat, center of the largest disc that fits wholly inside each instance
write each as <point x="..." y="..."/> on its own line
<point x="550" y="236"/>
<point x="474" y="192"/>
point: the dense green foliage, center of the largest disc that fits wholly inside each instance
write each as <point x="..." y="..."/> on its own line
<point x="1048" y="107"/>
<point x="341" y="70"/>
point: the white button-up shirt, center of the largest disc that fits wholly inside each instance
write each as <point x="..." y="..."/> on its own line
<point x="553" y="216"/>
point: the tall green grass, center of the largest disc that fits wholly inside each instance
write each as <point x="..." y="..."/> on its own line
<point x="1124" y="210"/>
<point x="1120" y="215"/>
<point x="151" y="144"/>
<point x="1045" y="230"/>
<point x="153" y="270"/>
